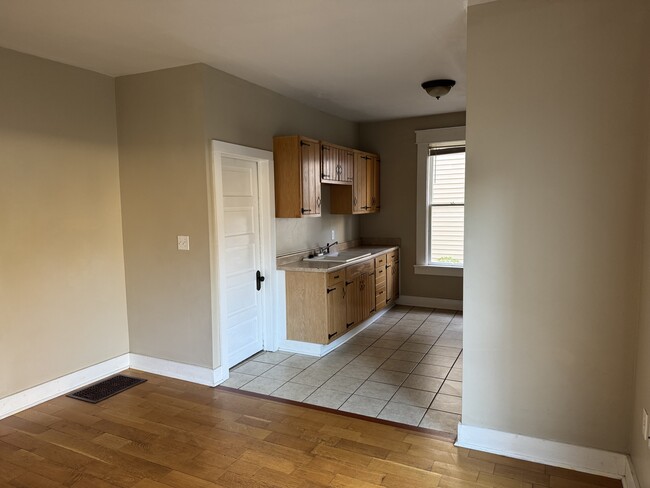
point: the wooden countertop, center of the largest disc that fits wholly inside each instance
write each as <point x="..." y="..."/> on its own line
<point x="325" y="267"/>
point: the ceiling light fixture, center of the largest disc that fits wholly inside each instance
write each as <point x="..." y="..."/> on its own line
<point x="438" y="88"/>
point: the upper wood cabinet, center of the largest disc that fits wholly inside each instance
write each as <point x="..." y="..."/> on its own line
<point x="363" y="196"/>
<point x="297" y="169"/>
<point x="336" y="164"/>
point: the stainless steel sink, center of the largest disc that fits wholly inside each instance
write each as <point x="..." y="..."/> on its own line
<point x="340" y="257"/>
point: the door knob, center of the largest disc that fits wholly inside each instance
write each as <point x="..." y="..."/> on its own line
<point x="259" y="279"/>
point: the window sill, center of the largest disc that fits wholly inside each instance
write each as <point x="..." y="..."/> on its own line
<point x="438" y="270"/>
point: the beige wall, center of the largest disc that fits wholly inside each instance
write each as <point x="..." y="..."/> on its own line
<point x="166" y="120"/>
<point x="640" y="449"/>
<point x="164" y="194"/>
<point x="243" y="113"/>
<point x="62" y="296"/>
<point x="394" y="140"/>
<point x="553" y="207"/>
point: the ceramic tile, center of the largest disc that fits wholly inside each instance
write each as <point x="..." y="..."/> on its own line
<point x="397" y="365"/>
<point x="455" y="375"/>
<point x="447" y="403"/>
<point x="357" y="371"/>
<point x="361" y="340"/>
<point x="403" y="355"/>
<point x="299" y="361"/>
<point x="423" y="339"/>
<point x="312" y="377"/>
<point x="388" y="343"/>
<point x="411" y="396"/>
<point x="431" y="370"/>
<point x="451" y="352"/>
<point x="370" y="361"/>
<point x="396" y="336"/>
<point x="415" y="347"/>
<point x="404" y="414"/>
<point x="378" y="352"/>
<point x="262" y="385"/>
<point x="438" y="360"/>
<point x="449" y="343"/>
<point x="280" y="372"/>
<point x="442" y="421"/>
<point x="272" y="357"/>
<point x="450" y="387"/>
<point x="423" y="383"/>
<point x="372" y="389"/>
<point x="343" y="383"/>
<point x="294" y="391"/>
<point x="363" y="405"/>
<point x="237" y="380"/>
<point x="327" y="398"/>
<point x="390" y="377"/>
<point x="351" y="349"/>
<point x="253" y="367"/>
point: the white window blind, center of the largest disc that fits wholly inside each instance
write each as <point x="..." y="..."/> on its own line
<point x="446" y="203"/>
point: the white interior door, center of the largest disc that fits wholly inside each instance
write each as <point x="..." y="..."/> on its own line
<point x="244" y="314"/>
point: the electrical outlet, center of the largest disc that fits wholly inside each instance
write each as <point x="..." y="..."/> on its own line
<point x="644" y="425"/>
<point x="183" y="243"/>
<point x="333" y="235"/>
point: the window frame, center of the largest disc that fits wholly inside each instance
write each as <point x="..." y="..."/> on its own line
<point x="423" y="139"/>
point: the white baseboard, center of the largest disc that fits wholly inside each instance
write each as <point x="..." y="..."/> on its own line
<point x="445" y="303"/>
<point x="585" y="459"/>
<point x="311" y="349"/>
<point x="630" y="480"/>
<point x="30" y="397"/>
<point x="180" y="371"/>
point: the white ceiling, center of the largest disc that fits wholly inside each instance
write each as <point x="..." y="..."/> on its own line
<point x="359" y="59"/>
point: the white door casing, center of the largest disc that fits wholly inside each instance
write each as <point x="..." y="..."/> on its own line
<point x="242" y="241"/>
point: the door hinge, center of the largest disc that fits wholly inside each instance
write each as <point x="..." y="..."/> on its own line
<point x="305" y="210"/>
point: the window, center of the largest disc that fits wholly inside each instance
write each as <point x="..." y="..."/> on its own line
<point x="446" y="200"/>
<point x="440" y="201"/>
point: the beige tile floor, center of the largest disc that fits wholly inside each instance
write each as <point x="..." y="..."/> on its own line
<point x="405" y="367"/>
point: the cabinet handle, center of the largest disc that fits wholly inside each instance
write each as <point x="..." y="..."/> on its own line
<point x="305" y="210"/>
<point x="323" y="175"/>
<point x="330" y="290"/>
<point x="348" y="283"/>
<point x="337" y="277"/>
<point x="347" y="326"/>
<point x="329" y="336"/>
<point x="380" y="293"/>
<point x="318" y="202"/>
<point x="387" y="266"/>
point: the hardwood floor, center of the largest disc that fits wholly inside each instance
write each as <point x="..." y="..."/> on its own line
<point x="169" y="433"/>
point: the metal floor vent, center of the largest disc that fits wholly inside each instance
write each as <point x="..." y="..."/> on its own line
<point x="106" y="388"/>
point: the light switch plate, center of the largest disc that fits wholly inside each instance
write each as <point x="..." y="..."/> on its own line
<point x="183" y="243"/>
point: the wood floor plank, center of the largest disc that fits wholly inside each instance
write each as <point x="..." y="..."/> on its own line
<point x="167" y="433"/>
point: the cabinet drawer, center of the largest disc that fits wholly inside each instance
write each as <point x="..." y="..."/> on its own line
<point x="351" y="272"/>
<point x="380" y="273"/>
<point x="335" y="277"/>
<point x="393" y="256"/>
<point x="380" y="287"/>
<point x="380" y="262"/>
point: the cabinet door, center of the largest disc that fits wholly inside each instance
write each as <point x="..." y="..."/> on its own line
<point x="395" y="287"/>
<point x="375" y="187"/>
<point x="310" y="177"/>
<point x="370" y="183"/>
<point x="389" y="282"/>
<point x="347" y="162"/>
<point x="352" y="303"/>
<point x="336" y="311"/>
<point x="359" y="201"/>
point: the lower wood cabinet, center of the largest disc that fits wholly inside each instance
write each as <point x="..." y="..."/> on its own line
<point x="392" y="277"/>
<point x="321" y="307"/>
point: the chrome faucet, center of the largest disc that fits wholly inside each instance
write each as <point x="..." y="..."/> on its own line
<point x="325" y="249"/>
